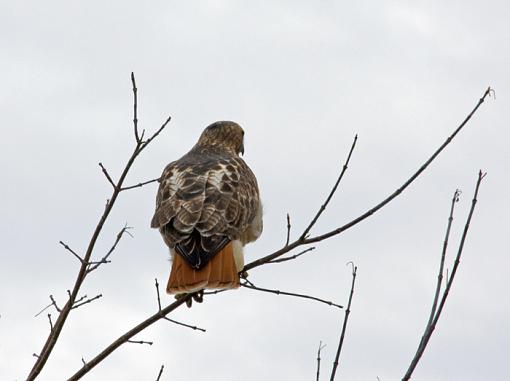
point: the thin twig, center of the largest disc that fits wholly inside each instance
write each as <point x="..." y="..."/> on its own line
<point x="135" y="108"/>
<point x="344" y="326"/>
<point x="160" y="372"/>
<point x="319" y="360"/>
<point x="144" y="144"/>
<point x="333" y="190"/>
<point x="44" y="309"/>
<point x="107" y="175"/>
<point x="71" y="251"/>
<point x="86" y="301"/>
<point x="54" y="303"/>
<point x="429" y="329"/>
<point x="304" y="241"/>
<point x="140" y="342"/>
<point x="288" y="230"/>
<point x="51" y="323"/>
<point x="157" y="291"/>
<point x="193" y="327"/>
<point x="140" y="184"/>
<point x="455" y="199"/>
<point x="278" y="292"/>
<point x="80" y="299"/>
<point x="95" y="265"/>
<point x="285" y="259"/>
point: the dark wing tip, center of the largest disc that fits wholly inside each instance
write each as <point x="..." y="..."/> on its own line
<point x="198" y="250"/>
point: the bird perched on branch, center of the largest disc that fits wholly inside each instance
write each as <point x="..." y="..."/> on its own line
<point x="207" y="208"/>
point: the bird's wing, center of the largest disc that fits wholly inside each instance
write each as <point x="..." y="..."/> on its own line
<point x="217" y="196"/>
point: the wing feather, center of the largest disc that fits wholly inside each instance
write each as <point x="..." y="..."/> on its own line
<point x="213" y="193"/>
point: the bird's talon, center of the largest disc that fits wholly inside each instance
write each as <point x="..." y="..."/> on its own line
<point x="244" y="274"/>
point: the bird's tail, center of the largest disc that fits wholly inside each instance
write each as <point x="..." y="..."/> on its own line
<point x="219" y="273"/>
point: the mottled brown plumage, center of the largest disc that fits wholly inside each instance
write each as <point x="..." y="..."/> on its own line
<point x="207" y="203"/>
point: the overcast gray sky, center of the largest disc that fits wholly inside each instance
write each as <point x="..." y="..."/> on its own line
<point x="302" y="78"/>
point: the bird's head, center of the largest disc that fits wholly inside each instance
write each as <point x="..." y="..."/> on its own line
<point x="225" y="135"/>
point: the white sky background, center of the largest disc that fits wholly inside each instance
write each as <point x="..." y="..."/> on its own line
<point x="302" y="78"/>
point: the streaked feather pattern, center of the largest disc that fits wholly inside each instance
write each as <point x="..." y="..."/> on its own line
<point x="206" y="199"/>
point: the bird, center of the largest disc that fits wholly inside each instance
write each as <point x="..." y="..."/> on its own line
<point x="207" y="208"/>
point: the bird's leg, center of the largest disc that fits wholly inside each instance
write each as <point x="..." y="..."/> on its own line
<point x="243" y="274"/>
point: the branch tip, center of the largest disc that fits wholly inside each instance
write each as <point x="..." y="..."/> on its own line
<point x="438" y="308"/>
<point x="160" y="372"/>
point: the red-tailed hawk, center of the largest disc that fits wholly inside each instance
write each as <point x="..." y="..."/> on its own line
<point x="207" y="208"/>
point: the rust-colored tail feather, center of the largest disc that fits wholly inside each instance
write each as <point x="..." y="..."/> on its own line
<point x="219" y="273"/>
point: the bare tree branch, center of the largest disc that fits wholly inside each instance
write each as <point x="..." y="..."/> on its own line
<point x="304" y="241"/>
<point x="304" y="235"/>
<point x="51" y="323"/>
<point x="95" y="265"/>
<point x="285" y="259"/>
<point x="135" y="108"/>
<point x="76" y="305"/>
<point x="321" y="347"/>
<point x="160" y="372"/>
<point x="431" y="325"/>
<point x="195" y="328"/>
<point x="62" y="318"/>
<point x="107" y="175"/>
<point x="140" y="184"/>
<point x="344" y="326"/>
<point x="455" y="199"/>
<point x="146" y="143"/>
<point x="251" y="286"/>
<point x="288" y="230"/>
<point x="157" y="291"/>
<point x="54" y="303"/>
<point x="80" y="299"/>
<point x="140" y="342"/>
<point x="44" y="309"/>
<point x="71" y="251"/>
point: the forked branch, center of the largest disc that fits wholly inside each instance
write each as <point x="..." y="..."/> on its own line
<point x="52" y="338"/>
<point x="344" y="325"/>
<point x="304" y="235"/>
<point x="248" y="284"/>
<point x="436" y="311"/>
